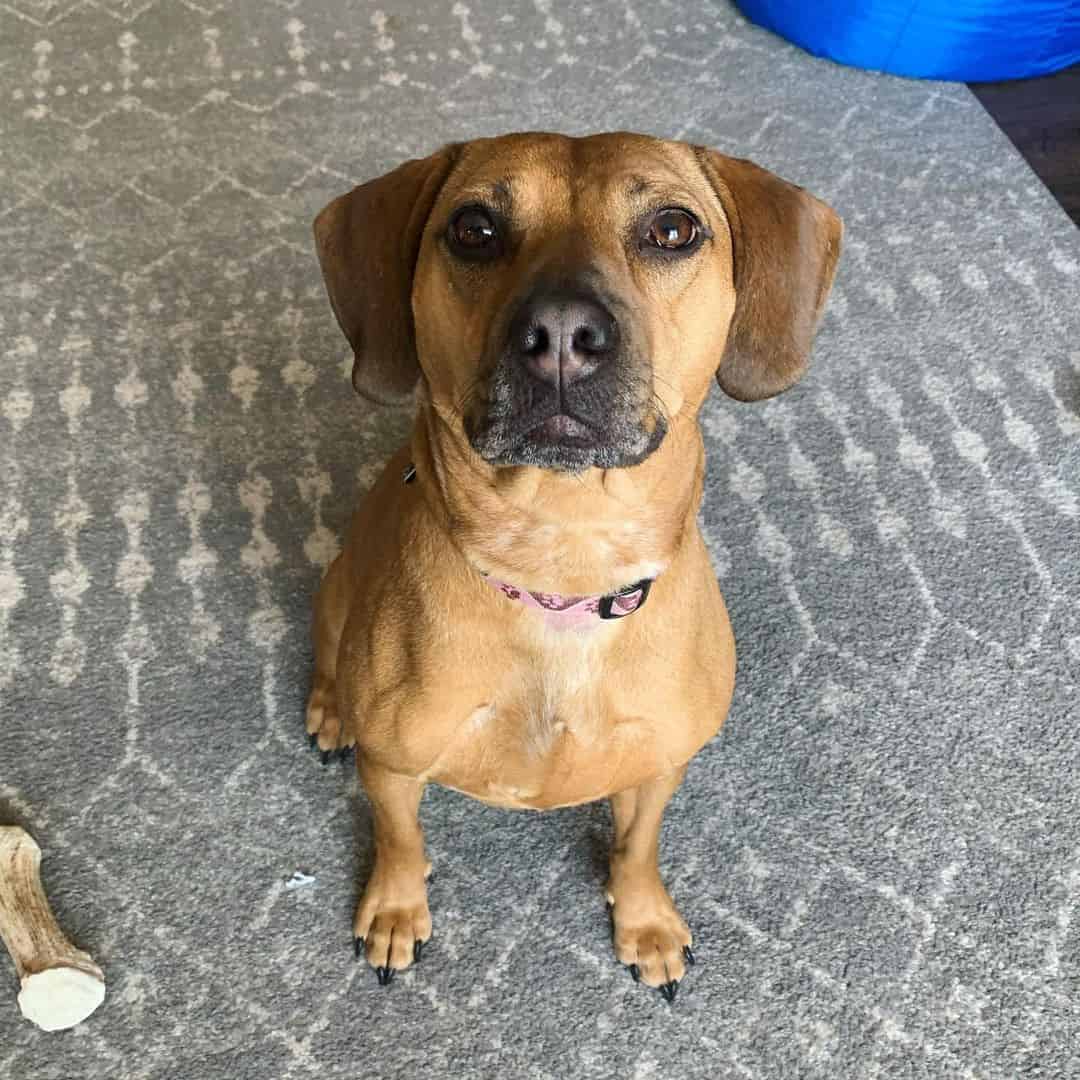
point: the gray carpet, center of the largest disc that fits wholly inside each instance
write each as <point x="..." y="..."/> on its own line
<point x="880" y="855"/>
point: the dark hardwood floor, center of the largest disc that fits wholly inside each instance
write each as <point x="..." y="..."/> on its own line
<point x="1042" y="118"/>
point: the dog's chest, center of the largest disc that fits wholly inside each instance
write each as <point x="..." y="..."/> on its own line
<point x="553" y="733"/>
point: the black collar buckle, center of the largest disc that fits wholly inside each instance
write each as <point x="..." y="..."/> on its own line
<point x="612" y="606"/>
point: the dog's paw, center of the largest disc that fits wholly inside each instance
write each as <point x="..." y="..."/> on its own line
<point x="393" y="923"/>
<point x="650" y="936"/>
<point x="324" y="726"/>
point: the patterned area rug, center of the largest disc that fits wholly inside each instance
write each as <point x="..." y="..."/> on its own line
<point x="880" y="855"/>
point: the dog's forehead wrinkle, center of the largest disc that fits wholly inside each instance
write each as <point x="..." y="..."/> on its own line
<point x="525" y="192"/>
<point x="593" y="173"/>
<point x="662" y="185"/>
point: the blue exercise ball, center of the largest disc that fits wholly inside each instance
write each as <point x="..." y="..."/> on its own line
<point x="964" y="40"/>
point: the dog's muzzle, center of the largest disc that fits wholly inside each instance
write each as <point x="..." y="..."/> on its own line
<point x="568" y="391"/>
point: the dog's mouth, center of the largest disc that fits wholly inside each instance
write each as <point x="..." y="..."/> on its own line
<point x="565" y="429"/>
<point x="506" y="428"/>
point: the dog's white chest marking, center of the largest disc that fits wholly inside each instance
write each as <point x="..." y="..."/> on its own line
<point x="480" y="718"/>
<point x="548" y="732"/>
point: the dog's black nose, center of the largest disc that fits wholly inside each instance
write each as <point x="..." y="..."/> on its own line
<point x="562" y="339"/>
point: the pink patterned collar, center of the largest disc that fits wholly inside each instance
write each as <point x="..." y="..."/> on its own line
<point x="568" y="612"/>
<point x="578" y="612"/>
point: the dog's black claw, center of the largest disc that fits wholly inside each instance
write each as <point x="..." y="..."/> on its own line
<point x="325" y="755"/>
<point x="688" y="955"/>
<point x="343" y="753"/>
<point x="385" y="975"/>
<point x="669" y="990"/>
<point x="417" y="951"/>
<point x="312" y="739"/>
<point x="358" y="947"/>
<point x="635" y="973"/>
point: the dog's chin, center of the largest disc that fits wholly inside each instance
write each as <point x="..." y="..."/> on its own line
<point x="564" y="443"/>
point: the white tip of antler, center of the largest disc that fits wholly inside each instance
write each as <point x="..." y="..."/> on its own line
<point x="60" y="997"/>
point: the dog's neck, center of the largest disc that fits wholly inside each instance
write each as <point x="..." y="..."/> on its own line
<point x="575" y="534"/>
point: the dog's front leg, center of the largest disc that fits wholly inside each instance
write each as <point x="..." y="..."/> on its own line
<point x="392" y="919"/>
<point x="650" y="935"/>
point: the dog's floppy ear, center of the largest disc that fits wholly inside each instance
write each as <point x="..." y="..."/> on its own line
<point x="785" y="245"/>
<point x="368" y="242"/>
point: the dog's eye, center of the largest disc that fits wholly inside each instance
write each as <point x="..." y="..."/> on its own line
<point x="473" y="234"/>
<point x="672" y="230"/>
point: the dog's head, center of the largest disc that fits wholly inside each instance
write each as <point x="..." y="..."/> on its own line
<point x="564" y="299"/>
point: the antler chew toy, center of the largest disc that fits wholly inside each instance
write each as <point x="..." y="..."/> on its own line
<point x="61" y="985"/>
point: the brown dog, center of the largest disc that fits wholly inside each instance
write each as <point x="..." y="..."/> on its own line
<point x="562" y="305"/>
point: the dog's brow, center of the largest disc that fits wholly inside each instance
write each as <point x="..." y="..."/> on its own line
<point x="498" y="194"/>
<point x="642" y="189"/>
<point x="652" y="194"/>
<point x="639" y="185"/>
